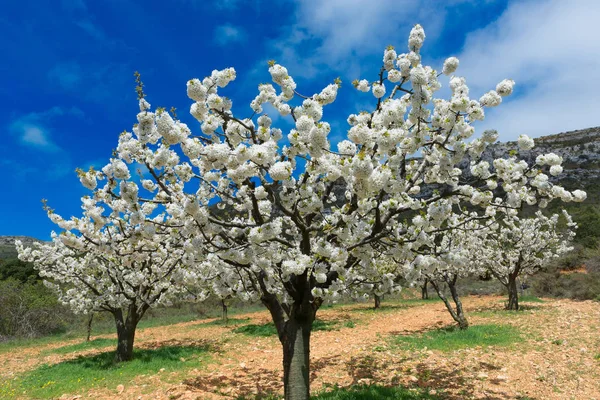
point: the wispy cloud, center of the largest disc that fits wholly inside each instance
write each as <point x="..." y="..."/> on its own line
<point x="32" y="129"/>
<point x="227" y="4"/>
<point x="340" y="33"/>
<point x="93" y="30"/>
<point x="74" y="5"/>
<point x="225" y="34"/>
<point x="34" y="136"/>
<point x="554" y="64"/>
<point x="106" y="80"/>
<point x="66" y="75"/>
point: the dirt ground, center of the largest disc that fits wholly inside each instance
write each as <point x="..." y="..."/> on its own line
<point x="557" y="360"/>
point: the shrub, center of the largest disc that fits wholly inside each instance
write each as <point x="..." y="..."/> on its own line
<point x="19" y="270"/>
<point x="29" y="310"/>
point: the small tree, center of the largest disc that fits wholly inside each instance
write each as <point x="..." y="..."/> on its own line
<point x="120" y="265"/>
<point x="522" y="246"/>
<point x="452" y="259"/>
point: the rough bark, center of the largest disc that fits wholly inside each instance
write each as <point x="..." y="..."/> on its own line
<point x="296" y="358"/>
<point x="424" y="292"/>
<point x="457" y="311"/>
<point x="294" y="325"/>
<point x="224" y="316"/>
<point x="126" y="327"/>
<point x="513" y="293"/>
<point x="377" y="301"/>
<point x="89" y="327"/>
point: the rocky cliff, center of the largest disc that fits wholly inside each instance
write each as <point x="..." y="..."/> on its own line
<point x="579" y="149"/>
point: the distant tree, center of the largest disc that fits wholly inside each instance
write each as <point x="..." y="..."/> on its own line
<point x="516" y="247"/>
<point x="112" y="262"/>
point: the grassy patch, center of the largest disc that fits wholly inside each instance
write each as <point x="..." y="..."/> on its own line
<point x="449" y="339"/>
<point x="84" y="373"/>
<point x="268" y="329"/>
<point x="526" y="299"/>
<point x="375" y="392"/>
<point x="103" y="325"/>
<point x="530" y="299"/>
<point x="230" y="321"/>
<point x="92" y="344"/>
<point x="420" y="301"/>
<point x="163" y="320"/>
<point x="15" y="344"/>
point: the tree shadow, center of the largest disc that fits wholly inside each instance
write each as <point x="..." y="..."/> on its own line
<point x="259" y="383"/>
<point x="169" y="351"/>
<point x="361" y="368"/>
<point x="320" y="363"/>
<point x="454" y="384"/>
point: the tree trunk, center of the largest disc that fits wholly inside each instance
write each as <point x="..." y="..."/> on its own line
<point x="89" y="327"/>
<point x="424" y="292"/>
<point x="513" y="293"/>
<point x="458" y="315"/>
<point x="377" y="301"/>
<point x="224" y="317"/>
<point x="296" y="359"/>
<point x="125" y="335"/>
<point x="294" y="324"/>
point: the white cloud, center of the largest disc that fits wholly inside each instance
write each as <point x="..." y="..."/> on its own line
<point x="93" y="30"/>
<point x="340" y="33"/>
<point x="225" y="34"/>
<point x="66" y="75"/>
<point x="35" y="136"/>
<point x="551" y="49"/>
<point x="31" y="128"/>
<point x="227" y="4"/>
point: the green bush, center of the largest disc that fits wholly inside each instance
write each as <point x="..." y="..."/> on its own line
<point x="29" y="310"/>
<point x="577" y="286"/>
<point x="19" y="270"/>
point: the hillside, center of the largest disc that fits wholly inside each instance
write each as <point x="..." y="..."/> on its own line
<point x="579" y="149"/>
<point x="7" y="245"/>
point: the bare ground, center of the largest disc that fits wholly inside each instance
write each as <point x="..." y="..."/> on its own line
<point x="557" y="359"/>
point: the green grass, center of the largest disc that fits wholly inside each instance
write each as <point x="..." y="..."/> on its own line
<point x="16" y="344"/>
<point x="530" y="299"/>
<point x="101" y="326"/>
<point x="449" y="339"/>
<point x="526" y="299"/>
<point x="268" y="329"/>
<point x="362" y="392"/>
<point x="375" y="392"/>
<point x="230" y="321"/>
<point x="92" y="344"/>
<point x="418" y="300"/>
<point x="84" y="373"/>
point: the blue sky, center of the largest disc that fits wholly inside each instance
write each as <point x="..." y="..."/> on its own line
<point x="67" y="87"/>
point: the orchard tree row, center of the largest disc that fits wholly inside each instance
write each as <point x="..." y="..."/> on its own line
<point x="239" y="208"/>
